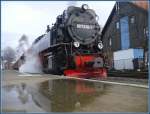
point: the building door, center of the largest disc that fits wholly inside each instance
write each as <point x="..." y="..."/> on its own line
<point x="125" y="40"/>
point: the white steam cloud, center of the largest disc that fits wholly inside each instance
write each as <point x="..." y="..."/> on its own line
<point x="32" y="63"/>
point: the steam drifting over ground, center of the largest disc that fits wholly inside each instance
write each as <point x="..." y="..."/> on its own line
<point x="32" y="63"/>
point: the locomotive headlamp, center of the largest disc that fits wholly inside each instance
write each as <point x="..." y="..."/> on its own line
<point x="85" y="7"/>
<point x="76" y="44"/>
<point x="100" y="45"/>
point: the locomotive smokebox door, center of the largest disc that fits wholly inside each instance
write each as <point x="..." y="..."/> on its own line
<point x="82" y="25"/>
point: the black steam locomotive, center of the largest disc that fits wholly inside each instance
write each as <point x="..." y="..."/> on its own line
<point x="72" y="46"/>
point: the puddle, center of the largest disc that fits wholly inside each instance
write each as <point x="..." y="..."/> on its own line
<point x="69" y="95"/>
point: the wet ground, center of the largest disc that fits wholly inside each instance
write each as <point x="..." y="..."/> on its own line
<point x="47" y="93"/>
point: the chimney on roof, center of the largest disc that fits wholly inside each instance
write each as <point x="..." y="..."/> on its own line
<point x="141" y="4"/>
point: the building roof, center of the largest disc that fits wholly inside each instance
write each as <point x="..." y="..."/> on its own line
<point x="109" y="19"/>
<point x="141" y="4"/>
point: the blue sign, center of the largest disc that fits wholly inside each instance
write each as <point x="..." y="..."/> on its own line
<point x="138" y="53"/>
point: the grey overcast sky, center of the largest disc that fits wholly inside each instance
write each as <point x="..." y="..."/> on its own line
<point x="32" y="17"/>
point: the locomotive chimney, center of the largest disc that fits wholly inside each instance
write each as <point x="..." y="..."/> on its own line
<point x="48" y="29"/>
<point x="84" y="7"/>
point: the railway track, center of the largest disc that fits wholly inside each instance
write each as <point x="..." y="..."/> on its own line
<point x="129" y="74"/>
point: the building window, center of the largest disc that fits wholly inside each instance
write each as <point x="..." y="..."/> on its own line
<point x="117" y="25"/>
<point x="117" y="6"/>
<point x="110" y="42"/>
<point x="132" y="19"/>
<point x="146" y="31"/>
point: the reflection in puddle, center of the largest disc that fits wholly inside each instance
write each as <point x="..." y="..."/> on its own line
<point x="50" y="96"/>
<point x="63" y="95"/>
<point x="17" y="99"/>
<point x="67" y="95"/>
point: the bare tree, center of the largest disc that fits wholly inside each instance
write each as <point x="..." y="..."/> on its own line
<point x="23" y="45"/>
<point x="23" y="38"/>
<point x="8" y="54"/>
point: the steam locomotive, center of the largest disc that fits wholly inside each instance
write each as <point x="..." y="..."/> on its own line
<point x="72" y="46"/>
